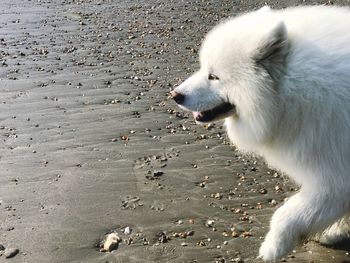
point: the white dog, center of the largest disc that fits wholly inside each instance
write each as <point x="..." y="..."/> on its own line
<point x="281" y="80"/>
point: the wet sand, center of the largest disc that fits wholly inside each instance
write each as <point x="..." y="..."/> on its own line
<point x="91" y="142"/>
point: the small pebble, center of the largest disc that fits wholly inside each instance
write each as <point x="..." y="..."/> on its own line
<point x="10" y="252"/>
<point x="157" y="173"/>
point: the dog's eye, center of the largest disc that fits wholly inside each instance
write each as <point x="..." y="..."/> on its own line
<point x="213" y="77"/>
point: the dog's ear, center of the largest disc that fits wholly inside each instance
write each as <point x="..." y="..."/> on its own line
<point x="273" y="49"/>
<point x="274" y="44"/>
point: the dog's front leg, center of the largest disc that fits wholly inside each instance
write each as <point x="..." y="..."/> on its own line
<point x="303" y="214"/>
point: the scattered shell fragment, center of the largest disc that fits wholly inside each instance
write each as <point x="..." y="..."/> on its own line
<point x="234" y="234"/>
<point x="129" y="241"/>
<point x="246" y="234"/>
<point x="263" y="191"/>
<point x="278" y="189"/>
<point x="273" y="202"/>
<point x="162" y="237"/>
<point x="179" y="222"/>
<point x="216" y="195"/>
<point x="111" y="243"/>
<point x="237" y="260"/>
<point x="209" y="223"/>
<point x="190" y="233"/>
<point x="127" y="230"/>
<point x="201" y="243"/>
<point x="183" y="234"/>
<point x="237" y="230"/>
<point x="225" y="234"/>
<point x="259" y="206"/>
<point x="124" y="138"/>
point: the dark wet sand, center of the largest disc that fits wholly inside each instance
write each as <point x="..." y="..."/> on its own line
<point x="90" y="143"/>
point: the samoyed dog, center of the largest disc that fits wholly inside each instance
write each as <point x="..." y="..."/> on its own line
<point x="281" y="81"/>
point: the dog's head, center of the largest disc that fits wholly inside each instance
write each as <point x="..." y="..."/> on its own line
<point x="241" y="62"/>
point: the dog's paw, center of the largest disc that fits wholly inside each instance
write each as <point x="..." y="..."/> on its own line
<point x="333" y="235"/>
<point x="273" y="249"/>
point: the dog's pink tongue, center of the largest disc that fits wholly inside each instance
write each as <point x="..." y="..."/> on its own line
<point x="196" y="114"/>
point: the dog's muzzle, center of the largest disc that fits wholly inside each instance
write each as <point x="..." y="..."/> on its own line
<point x="178" y="97"/>
<point x="221" y="111"/>
<point x="217" y="113"/>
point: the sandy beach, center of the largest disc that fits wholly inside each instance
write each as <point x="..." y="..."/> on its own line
<point x="91" y="143"/>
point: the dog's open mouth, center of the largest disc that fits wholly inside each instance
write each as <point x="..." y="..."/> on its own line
<point x="219" y="112"/>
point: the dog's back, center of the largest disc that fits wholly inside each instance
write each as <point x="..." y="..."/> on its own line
<point x="316" y="93"/>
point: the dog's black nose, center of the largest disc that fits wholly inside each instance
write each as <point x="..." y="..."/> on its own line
<point x="178" y="97"/>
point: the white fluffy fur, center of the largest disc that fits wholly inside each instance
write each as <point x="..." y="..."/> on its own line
<point x="294" y="111"/>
